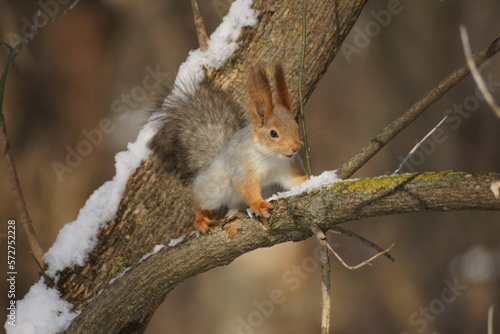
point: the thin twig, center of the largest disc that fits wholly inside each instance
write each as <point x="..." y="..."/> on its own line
<point x="200" y="26"/>
<point x="418" y="145"/>
<point x="301" y="97"/>
<point x="340" y="230"/>
<point x="325" y="267"/>
<point x="362" y="264"/>
<point x="25" y="220"/>
<point x="22" y="210"/>
<point x="325" y="278"/>
<point x="490" y="319"/>
<point x="475" y="73"/>
<point x="34" y="28"/>
<point x="5" y="45"/>
<point x="390" y="131"/>
<point x="38" y="264"/>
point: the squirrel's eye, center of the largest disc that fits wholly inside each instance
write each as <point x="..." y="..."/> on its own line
<point x="273" y="134"/>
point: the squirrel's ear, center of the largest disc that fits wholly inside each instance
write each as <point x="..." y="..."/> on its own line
<point x="260" y="95"/>
<point x="281" y="86"/>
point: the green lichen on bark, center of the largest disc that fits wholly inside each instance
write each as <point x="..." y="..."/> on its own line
<point x="384" y="183"/>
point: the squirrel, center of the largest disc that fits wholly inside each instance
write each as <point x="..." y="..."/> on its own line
<point x="229" y="160"/>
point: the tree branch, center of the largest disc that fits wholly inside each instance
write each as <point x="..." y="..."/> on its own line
<point x="417" y="145"/>
<point x="345" y="201"/>
<point x="475" y="72"/>
<point x="302" y="115"/>
<point x="390" y="131"/>
<point x="200" y="26"/>
<point x="362" y="264"/>
<point x="325" y="276"/>
<point x="363" y="240"/>
<point x="22" y="210"/>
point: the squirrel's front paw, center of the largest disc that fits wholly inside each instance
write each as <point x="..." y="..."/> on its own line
<point x="261" y="208"/>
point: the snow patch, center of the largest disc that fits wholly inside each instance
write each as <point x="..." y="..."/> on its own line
<point x="156" y="249"/>
<point x="41" y="312"/>
<point x="251" y="213"/>
<point x="174" y="242"/>
<point x="196" y="233"/>
<point x="495" y="186"/>
<point x="221" y="44"/>
<point x="79" y="237"/>
<point x="326" y="179"/>
<point x="114" y="279"/>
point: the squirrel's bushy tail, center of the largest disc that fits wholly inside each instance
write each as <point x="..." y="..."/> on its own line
<point x="194" y="123"/>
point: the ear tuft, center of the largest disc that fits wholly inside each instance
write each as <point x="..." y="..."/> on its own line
<point x="260" y="94"/>
<point x="281" y="86"/>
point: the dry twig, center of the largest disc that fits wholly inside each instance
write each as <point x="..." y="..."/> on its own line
<point x="418" y="145"/>
<point x="200" y="26"/>
<point x="490" y="319"/>
<point x="325" y="267"/>
<point x="475" y="72"/>
<point x="390" y="131"/>
<point x="325" y="278"/>
<point x="362" y="264"/>
<point x="340" y="230"/>
<point x="22" y="210"/>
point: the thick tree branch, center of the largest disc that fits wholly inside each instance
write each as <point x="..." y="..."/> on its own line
<point x="345" y="201"/>
<point x="390" y="131"/>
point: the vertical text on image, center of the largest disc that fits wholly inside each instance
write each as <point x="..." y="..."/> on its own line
<point x="11" y="272"/>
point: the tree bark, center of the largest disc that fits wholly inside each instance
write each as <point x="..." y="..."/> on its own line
<point x="120" y="309"/>
<point x="157" y="207"/>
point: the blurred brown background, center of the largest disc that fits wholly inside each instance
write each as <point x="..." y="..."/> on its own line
<point x="91" y="66"/>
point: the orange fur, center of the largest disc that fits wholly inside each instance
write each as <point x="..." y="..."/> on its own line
<point x="256" y="158"/>
<point x="260" y="94"/>
<point x="202" y="218"/>
<point x="250" y="192"/>
<point x="281" y="86"/>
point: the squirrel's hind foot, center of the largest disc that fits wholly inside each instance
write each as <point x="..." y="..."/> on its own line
<point x="202" y="220"/>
